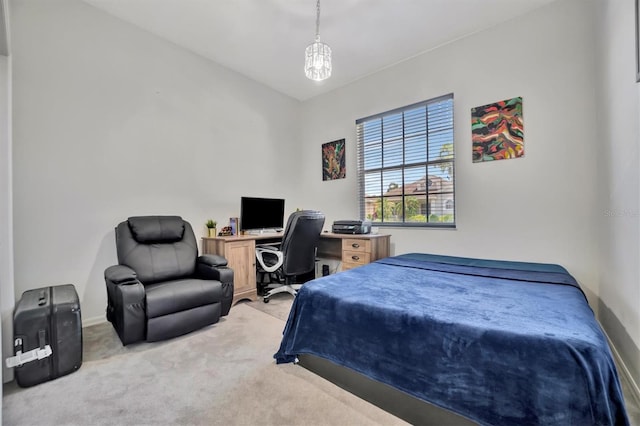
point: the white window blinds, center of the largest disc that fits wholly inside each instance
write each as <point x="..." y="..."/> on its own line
<point x="406" y="165"/>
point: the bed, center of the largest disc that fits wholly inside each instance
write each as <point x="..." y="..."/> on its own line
<point x="497" y="342"/>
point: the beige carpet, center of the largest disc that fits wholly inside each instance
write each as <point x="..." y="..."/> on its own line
<point x="223" y="374"/>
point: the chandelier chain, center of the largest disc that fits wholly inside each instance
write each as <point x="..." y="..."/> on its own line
<point x="318" y="19"/>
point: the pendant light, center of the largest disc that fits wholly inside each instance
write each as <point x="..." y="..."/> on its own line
<point x="317" y="55"/>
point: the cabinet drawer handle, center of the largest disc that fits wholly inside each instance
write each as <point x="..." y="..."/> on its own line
<point x="355" y="245"/>
<point x="355" y="257"/>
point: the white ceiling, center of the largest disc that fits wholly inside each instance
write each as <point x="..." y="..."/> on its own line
<point x="265" y="39"/>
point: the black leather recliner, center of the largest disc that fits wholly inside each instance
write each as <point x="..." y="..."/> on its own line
<point x="161" y="288"/>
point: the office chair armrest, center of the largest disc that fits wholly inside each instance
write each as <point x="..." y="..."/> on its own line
<point x="120" y="274"/>
<point x="270" y="246"/>
<point x="262" y="250"/>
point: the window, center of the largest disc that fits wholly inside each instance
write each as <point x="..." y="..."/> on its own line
<point x="405" y="165"/>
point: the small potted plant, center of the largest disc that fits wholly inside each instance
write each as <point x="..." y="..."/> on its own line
<point x="211" y="226"/>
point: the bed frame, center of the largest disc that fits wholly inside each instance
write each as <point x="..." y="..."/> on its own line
<point x="391" y="400"/>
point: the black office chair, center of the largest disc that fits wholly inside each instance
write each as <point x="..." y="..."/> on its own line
<point x="295" y="256"/>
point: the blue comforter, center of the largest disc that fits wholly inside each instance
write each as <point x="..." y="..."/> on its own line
<point x="501" y="343"/>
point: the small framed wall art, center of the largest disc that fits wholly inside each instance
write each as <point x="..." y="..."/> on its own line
<point x="333" y="160"/>
<point x="497" y="131"/>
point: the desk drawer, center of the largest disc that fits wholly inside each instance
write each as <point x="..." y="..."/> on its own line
<point x="357" y="245"/>
<point x="356" y="257"/>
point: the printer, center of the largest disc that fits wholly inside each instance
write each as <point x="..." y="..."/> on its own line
<point x="351" y="227"/>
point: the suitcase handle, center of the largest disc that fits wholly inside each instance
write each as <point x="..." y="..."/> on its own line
<point x="33" y="355"/>
<point x="41" y="340"/>
<point x="42" y="299"/>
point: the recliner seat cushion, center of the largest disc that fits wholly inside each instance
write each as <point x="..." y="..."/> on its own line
<point x="167" y="326"/>
<point x="174" y="296"/>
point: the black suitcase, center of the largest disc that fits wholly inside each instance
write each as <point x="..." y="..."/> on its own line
<point x="48" y="316"/>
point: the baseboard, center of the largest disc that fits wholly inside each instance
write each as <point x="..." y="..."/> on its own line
<point x="633" y="386"/>
<point x="87" y="322"/>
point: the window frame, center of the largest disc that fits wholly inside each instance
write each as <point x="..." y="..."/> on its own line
<point x="403" y="166"/>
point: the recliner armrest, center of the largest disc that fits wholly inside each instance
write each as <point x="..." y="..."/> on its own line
<point x="126" y="303"/>
<point x="224" y="274"/>
<point x="212" y="260"/>
<point x="120" y="274"/>
<point x="213" y="267"/>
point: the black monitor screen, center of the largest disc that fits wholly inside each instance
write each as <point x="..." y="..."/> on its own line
<point x="261" y="213"/>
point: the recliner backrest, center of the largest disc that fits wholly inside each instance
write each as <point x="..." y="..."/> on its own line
<point x="299" y="242"/>
<point x="158" y="248"/>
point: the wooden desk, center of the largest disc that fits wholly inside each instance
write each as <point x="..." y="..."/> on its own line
<point x="240" y="252"/>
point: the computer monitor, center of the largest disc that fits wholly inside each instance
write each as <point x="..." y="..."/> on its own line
<point x="261" y="213"/>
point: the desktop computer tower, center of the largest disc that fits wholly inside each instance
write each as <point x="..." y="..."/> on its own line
<point x="326" y="267"/>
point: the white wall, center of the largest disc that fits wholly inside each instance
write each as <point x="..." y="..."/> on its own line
<point x="110" y="121"/>
<point x="538" y="208"/>
<point x="619" y="183"/>
<point x="6" y="232"/>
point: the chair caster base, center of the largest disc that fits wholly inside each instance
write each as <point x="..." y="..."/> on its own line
<point x="265" y="300"/>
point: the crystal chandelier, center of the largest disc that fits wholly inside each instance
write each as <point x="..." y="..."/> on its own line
<point x="317" y="55"/>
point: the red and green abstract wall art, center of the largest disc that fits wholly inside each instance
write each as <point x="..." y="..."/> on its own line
<point x="497" y="131"/>
<point x="333" y="161"/>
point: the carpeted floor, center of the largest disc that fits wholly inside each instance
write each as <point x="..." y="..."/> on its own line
<point x="223" y="374"/>
<point x="278" y="306"/>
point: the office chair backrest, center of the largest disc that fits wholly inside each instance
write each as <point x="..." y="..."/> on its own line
<point x="158" y="248"/>
<point x="299" y="242"/>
